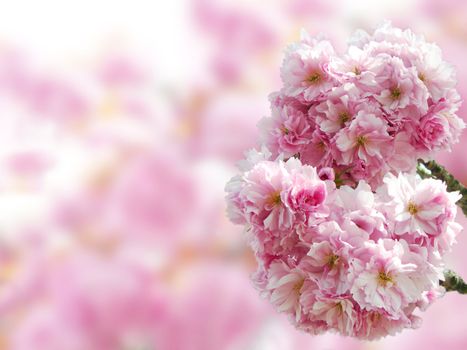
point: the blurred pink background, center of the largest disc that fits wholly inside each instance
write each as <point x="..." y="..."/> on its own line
<point x="120" y="124"/>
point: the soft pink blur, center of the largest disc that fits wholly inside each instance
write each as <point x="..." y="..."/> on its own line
<point x="120" y="125"/>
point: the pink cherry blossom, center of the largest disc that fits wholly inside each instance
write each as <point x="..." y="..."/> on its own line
<point x="439" y="128"/>
<point x="389" y="277"/>
<point x="347" y="237"/>
<point x="287" y="131"/>
<point x="338" y="110"/>
<point x="260" y="196"/>
<point x="358" y="67"/>
<point x="399" y="86"/>
<point x="422" y="210"/>
<point x="305" y="71"/>
<point x="366" y="138"/>
<point x="337" y="312"/>
<point x="307" y="193"/>
<point x="327" y="262"/>
<point x="284" y="286"/>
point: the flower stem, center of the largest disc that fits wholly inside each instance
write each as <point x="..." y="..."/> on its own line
<point x="453" y="282"/>
<point x="436" y="171"/>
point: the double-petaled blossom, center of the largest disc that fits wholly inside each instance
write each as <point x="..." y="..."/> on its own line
<point x="342" y="243"/>
<point x="305" y="71"/>
<point x="288" y="131"/>
<point x="366" y="138"/>
<point x="421" y="211"/>
<point x="389" y="99"/>
<point x="388" y="276"/>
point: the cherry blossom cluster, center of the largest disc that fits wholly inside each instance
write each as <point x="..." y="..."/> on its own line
<point x="388" y="100"/>
<point x="345" y="259"/>
<point x="347" y="237"/>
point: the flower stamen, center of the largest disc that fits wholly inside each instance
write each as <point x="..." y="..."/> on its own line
<point x="412" y="208"/>
<point x="396" y="93"/>
<point x="298" y="286"/>
<point x="314" y="78"/>
<point x="361" y="140"/>
<point x="344" y="117"/>
<point x="332" y="261"/>
<point x="274" y="199"/>
<point x="384" y="279"/>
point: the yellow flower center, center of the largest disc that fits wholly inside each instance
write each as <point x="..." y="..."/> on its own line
<point x="396" y="93"/>
<point x="285" y="130"/>
<point x="274" y="199"/>
<point x="361" y="140"/>
<point x="412" y="208"/>
<point x="344" y="117"/>
<point x="384" y="278"/>
<point x="298" y="286"/>
<point x="332" y="260"/>
<point x="357" y="71"/>
<point x="375" y="316"/>
<point x="320" y="145"/>
<point x="339" y="307"/>
<point x="314" y="78"/>
<point x="422" y="77"/>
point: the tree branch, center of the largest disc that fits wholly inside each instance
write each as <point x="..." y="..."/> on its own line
<point x="453" y="282"/>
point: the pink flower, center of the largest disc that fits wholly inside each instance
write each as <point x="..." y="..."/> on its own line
<point x="235" y="204"/>
<point x="305" y="71"/>
<point x="307" y="192"/>
<point x="348" y="246"/>
<point x="284" y="287"/>
<point x="389" y="277"/>
<point x="373" y="325"/>
<point x="366" y="138"/>
<point x="337" y="312"/>
<point x="358" y="215"/>
<point x="327" y="173"/>
<point x="437" y="75"/>
<point x="358" y="66"/>
<point x="400" y="87"/>
<point x="287" y="132"/>
<point x="439" y="128"/>
<point x="327" y="263"/>
<point x="433" y="131"/>
<point x="338" y="110"/>
<point x="421" y="210"/>
<point x="318" y="152"/>
<point x="259" y="196"/>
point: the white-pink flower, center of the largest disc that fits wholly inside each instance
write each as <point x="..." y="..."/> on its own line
<point x="338" y="109"/>
<point x="327" y="263"/>
<point x="287" y="132"/>
<point x="284" y="287"/>
<point x="421" y="210"/>
<point x="366" y="138"/>
<point x="387" y="276"/>
<point x="439" y="127"/>
<point x="399" y="86"/>
<point x="260" y="196"/>
<point x="337" y="312"/>
<point x="305" y="71"/>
